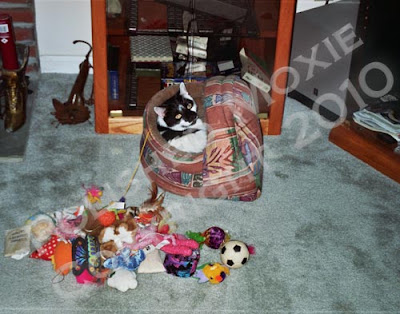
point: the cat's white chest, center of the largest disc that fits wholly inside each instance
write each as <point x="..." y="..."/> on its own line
<point x="191" y="143"/>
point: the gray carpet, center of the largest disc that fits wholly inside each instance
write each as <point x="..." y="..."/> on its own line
<point x="326" y="228"/>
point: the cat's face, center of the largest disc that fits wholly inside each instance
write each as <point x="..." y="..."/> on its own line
<point x="177" y="113"/>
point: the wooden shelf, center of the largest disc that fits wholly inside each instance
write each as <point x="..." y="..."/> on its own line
<point x="124" y="50"/>
<point x="154" y="18"/>
<point x="127" y="124"/>
<point x="267" y="17"/>
<point x="118" y="25"/>
<point x="375" y="19"/>
<point x="275" y="25"/>
<point x="366" y="146"/>
<point x="134" y="125"/>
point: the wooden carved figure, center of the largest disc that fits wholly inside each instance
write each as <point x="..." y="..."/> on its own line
<point x="74" y="111"/>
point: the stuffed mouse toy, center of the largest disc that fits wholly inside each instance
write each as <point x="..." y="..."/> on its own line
<point x="112" y="238"/>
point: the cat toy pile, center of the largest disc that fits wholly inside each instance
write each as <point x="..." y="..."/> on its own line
<point x="116" y="243"/>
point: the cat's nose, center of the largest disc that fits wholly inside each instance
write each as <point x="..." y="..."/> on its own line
<point x="192" y="118"/>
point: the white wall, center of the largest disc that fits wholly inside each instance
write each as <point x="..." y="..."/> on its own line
<point x="58" y="24"/>
<point x="311" y="28"/>
<point x="304" y="5"/>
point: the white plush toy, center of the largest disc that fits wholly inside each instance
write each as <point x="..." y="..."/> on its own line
<point x="123" y="280"/>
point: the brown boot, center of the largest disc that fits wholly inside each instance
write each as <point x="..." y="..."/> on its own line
<point x="16" y="90"/>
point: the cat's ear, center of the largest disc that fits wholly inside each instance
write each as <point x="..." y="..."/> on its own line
<point x="160" y="111"/>
<point x="183" y="90"/>
<point x="184" y="93"/>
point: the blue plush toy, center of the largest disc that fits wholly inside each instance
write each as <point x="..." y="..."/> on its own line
<point x="125" y="260"/>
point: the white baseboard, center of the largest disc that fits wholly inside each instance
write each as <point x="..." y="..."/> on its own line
<point x="61" y="64"/>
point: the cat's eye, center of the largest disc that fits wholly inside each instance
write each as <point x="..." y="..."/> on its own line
<point x="189" y="106"/>
<point x="178" y="116"/>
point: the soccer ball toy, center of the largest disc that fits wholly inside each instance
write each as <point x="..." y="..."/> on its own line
<point x="234" y="254"/>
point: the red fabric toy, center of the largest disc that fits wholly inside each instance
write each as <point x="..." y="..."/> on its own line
<point x="47" y="250"/>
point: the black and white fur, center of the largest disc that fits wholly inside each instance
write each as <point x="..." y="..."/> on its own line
<point x="179" y="123"/>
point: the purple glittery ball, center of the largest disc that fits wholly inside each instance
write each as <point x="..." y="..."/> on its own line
<point x="215" y="236"/>
<point x="182" y="266"/>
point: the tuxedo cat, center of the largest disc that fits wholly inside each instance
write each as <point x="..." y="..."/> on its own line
<point x="179" y="124"/>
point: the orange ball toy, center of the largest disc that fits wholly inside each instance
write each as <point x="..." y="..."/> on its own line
<point x="62" y="258"/>
<point x="106" y="218"/>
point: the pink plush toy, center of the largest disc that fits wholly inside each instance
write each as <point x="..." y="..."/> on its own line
<point x="69" y="229"/>
<point x="179" y="246"/>
<point x="168" y="243"/>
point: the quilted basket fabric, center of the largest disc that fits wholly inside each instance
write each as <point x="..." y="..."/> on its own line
<point x="231" y="165"/>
